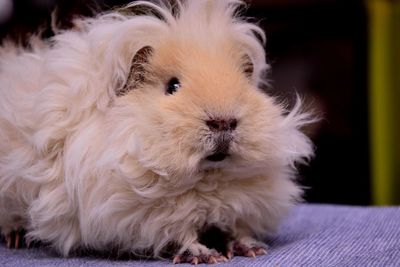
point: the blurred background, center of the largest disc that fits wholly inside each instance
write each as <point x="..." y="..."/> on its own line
<point x="343" y="56"/>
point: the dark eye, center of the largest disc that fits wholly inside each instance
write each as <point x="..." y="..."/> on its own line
<point x="173" y="85"/>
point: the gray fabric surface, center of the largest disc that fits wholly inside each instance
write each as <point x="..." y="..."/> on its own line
<point x="313" y="235"/>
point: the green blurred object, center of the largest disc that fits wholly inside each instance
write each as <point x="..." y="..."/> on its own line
<point x="384" y="80"/>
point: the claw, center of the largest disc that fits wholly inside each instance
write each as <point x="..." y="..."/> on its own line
<point x="17" y="240"/>
<point x="229" y="254"/>
<point x="212" y="260"/>
<point x="261" y="251"/>
<point x="195" y="261"/>
<point x="251" y="253"/>
<point x="28" y="244"/>
<point x="9" y="240"/>
<point x="176" y="260"/>
<point x="224" y="259"/>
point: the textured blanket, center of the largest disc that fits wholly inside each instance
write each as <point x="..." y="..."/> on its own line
<point x="313" y="235"/>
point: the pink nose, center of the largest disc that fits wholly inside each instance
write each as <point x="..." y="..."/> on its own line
<point x="219" y="125"/>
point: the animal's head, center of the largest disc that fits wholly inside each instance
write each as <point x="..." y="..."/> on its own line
<point x="186" y="97"/>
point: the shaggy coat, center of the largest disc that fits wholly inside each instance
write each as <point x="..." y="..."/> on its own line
<point x="96" y="152"/>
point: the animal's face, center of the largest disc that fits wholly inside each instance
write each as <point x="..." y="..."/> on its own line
<point x="195" y="108"/>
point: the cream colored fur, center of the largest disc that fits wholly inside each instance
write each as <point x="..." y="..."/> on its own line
<point x="83" y="168"/>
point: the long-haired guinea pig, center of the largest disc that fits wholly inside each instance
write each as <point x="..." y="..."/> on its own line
<point x="141" y="131"/>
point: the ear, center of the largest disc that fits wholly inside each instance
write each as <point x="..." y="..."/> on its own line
<point x="137" y="71"/>
<point x="247" y="66"/>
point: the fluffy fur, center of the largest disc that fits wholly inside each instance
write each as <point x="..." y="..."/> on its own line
<point x="81" y="167"/>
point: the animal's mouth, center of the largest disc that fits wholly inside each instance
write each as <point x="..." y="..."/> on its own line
<point x="221" y="149"/>
<point x="218" y="156"/>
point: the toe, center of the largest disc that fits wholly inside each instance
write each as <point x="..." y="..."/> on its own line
<point x="242" y="249"/>
<point x="261" y="251"/>
<point x="195" y="261"/>
<point x="222" y="258"/>
<point x="17" y="240"/>
<point x="9" y="239"/>
<point x="250" y="253"/>
<point x="229" y="254"/>
<point x="212" y="260"/>
<point x="176" y="260"/>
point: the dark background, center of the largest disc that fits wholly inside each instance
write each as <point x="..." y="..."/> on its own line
<point x="317" y="48"/>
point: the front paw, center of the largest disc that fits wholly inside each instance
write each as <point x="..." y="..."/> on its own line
<point x="14" y="239"/>
<point x="198" y="253"/>
<point x="247" y="247"/>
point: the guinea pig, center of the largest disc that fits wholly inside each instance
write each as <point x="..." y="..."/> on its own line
<point x="143" y="128"/>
